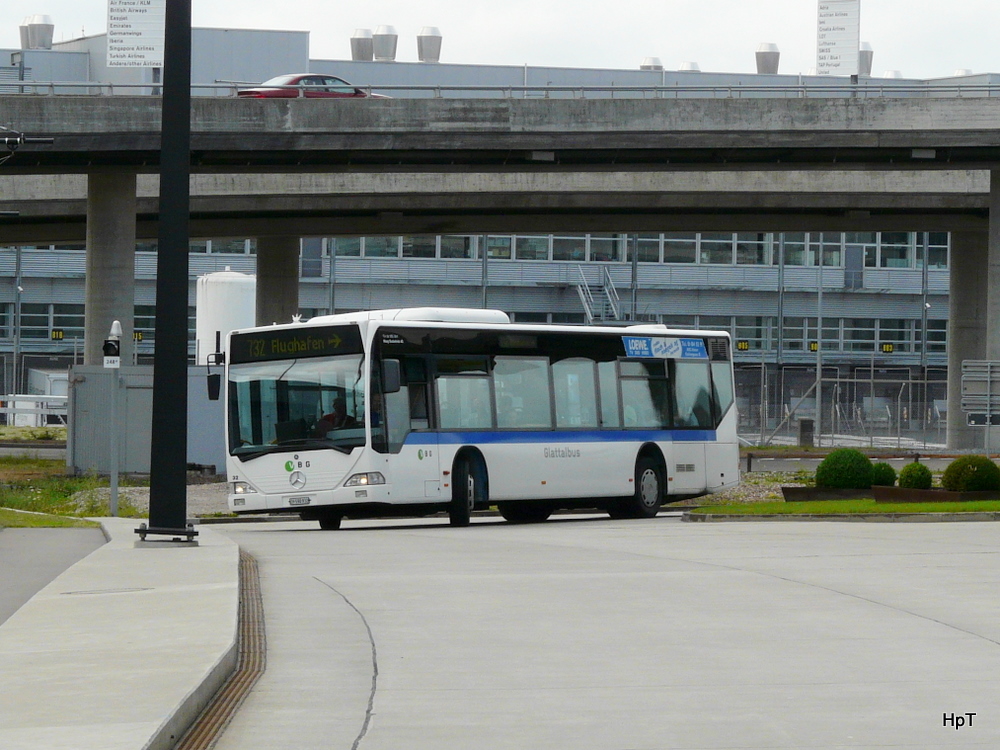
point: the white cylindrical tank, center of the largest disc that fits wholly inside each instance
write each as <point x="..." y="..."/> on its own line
<point x="225" y="301"/>
<point x="384" y="43"/>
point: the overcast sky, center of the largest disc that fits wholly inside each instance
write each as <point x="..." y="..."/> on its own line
<point x="922" y="38"/>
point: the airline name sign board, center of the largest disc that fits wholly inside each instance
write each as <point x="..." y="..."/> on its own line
<point x="838" y="37"/>
<point x="135" y="33"/>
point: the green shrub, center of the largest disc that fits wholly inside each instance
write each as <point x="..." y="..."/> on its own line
<point x="845" y="468"/>
<point x="883" y="474"/>
<point x="915" y="476"/>
<point x="971" y="474"/>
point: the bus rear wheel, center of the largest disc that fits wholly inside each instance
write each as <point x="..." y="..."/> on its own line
<point x="515" y="511"/>
<point x="648" y="489"/>
<point x="468" y="489"/>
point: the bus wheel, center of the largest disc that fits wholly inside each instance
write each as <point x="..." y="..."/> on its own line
<point x="330" y="521"/>
<point x="648" y="489"/>
<point x="523" y="512"/>
<point x="468" y="489"/>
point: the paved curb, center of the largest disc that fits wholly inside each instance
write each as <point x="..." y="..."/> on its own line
<point x="854" y="517"/>
<point x="124" y="649"/>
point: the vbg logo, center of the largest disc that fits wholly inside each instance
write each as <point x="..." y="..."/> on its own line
<point x="422" y="454"/>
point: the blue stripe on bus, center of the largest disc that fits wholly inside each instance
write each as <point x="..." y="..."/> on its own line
<point x="567" y="436"/>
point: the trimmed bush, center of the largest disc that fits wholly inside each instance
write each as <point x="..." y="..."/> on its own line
<point x="915" y="476"/>
<point x="883" y="474"/>
<point x="845" y="468"/>
<point x="971" y="474"/>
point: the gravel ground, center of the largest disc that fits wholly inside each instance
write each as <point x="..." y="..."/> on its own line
<point x="202" y="499"/>
<point x="757" y="487"/>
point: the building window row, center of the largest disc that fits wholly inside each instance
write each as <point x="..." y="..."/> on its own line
<point x="872" y="249"/>
<point x="833" y="249"/>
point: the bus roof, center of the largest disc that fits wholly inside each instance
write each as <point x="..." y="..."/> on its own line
<point x="474" y="317"/>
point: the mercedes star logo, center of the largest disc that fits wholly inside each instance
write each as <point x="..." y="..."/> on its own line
<point x="297" y="479"/>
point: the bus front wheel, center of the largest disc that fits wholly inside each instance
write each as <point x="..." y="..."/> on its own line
<point x="468" y="490"/>
<point x="330" y="521"/>
<point x="648" y="489"/>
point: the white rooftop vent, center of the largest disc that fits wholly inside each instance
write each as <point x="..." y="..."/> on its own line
<point x="40" y="28"/>
<point x="865" y="55"/>
<point x="429" y="44"/>
<point x="651" y="63"/>
<point x="963" y="72"/>
<point x="768" y="55"/>
<point x="690" y="66"/>
<point x="384" y="43"/>
<point x="361" y="45"/>
<point x="23" y="28"/>
<point x="892" y="74"/>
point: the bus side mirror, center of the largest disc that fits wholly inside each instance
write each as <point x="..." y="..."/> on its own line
<point x="391" y="380"/>
<point x="214" y="386"/>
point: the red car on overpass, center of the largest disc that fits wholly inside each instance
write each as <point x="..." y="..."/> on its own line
<point x="308" y="85"/>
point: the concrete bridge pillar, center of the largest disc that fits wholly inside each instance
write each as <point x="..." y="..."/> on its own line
<point x="277" y="279"/>
<point x="967" y="326"/>
<point x="110" y="281"/>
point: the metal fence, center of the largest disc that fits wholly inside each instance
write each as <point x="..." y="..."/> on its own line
<point x="884" y="408"/>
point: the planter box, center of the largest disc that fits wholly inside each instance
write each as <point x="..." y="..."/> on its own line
<point x="907" y="495"/>
<point x="805" y="494"/>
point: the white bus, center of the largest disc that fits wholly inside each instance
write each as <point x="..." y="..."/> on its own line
<point x="420" y="410"/>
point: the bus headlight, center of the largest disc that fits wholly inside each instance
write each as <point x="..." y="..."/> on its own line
<point x="243" y="488"/>
<point x="363" y="480"/>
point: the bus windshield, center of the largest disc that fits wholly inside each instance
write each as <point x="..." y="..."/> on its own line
<point x="298" y="404"/>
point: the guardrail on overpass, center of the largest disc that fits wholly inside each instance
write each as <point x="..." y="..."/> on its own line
<point x="863" y="90"/>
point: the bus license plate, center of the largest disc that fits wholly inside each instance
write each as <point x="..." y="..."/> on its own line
<point x="299" y="500"/>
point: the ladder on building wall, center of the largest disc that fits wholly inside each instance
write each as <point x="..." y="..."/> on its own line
<point x="600" y="301"/>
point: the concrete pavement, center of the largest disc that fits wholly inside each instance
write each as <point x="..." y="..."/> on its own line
<point x="123" y="649"/>
<point x="31" y="558"/>
<point x="580" y="632"/>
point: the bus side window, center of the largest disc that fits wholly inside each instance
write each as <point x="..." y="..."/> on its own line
<point x="526" y="380"/>
<point x="576" y="392"/>
<point x="608" y="375"/>
<point x="722" y="389"/>
<point x="693" y="398"/>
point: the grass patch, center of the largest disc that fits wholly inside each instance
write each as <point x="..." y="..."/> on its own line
<point x="50" y="433"/>
<point x="840" y="507"/>
<point x="42" y="486"/>
<point x="13" y="520"/>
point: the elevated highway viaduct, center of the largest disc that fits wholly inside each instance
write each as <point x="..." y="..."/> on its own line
<point x="283" y="169"/>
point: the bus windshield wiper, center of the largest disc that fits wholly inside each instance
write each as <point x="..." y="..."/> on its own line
<point x="251" y="455"/>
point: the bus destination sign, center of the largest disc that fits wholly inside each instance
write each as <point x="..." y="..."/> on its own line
<point x="662" y="347"/>
<point x="291" y="343"/>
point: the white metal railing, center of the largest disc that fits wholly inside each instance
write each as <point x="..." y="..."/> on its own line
<point x="586" y="296"/>
<point x="865" y="89"/>
<point x="18" y="413"/>
<point x="611" y="295"/>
